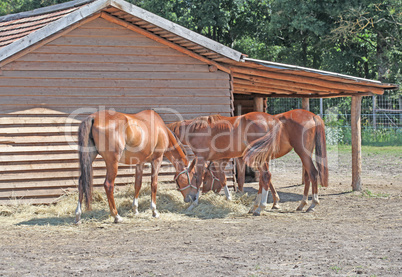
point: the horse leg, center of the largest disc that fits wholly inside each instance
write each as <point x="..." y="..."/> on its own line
<point x="262" y="197"/>
<point x="304" y="201"/>
<point x="156" y="164"/>
<point x="137" y="186"/>
<point x="221" y="176"/>
<point x="222" y="179"/>
<point x="275" y="197"/>
<point x="78" y="211"/>
<point x="200" y="166"/>
<point x="313" y="176"/>
<point x="109" y="188"/>
<point x="314" y="187"/>
<point x="241" y="173"/>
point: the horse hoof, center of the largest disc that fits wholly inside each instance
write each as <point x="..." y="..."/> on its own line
<point x="256" y="214"/>
<point x="276" y="207"/>
<point x="155" y="215"/>
<point x="118" y="219"/>
<point x="309" y="210"/>
<point x="77" y="222"/>
<point x="299" y="209"/>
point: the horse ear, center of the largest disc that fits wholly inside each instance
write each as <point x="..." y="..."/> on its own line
<point x="192" y="164"/>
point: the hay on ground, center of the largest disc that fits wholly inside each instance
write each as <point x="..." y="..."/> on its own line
<point x="170" y="205"/>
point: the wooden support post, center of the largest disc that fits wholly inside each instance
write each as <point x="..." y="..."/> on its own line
<point x="305" y="106"/>
<point x="259" y="104"/>
<point x="356" y="143"/>
<point x="374" y="112"/>
<point x="322" y="108"/>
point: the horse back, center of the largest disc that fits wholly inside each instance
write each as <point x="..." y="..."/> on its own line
<point x="132" y="138"/>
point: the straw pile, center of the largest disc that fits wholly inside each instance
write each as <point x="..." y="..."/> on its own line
<point x="170" y="205"/>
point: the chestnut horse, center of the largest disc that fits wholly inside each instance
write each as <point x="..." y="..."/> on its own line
<point x="218" y="137"/>
<point x="302" y="131"/>
<point x="132" y="139"/>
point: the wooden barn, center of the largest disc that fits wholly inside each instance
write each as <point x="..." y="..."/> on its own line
<point x="61" y="63"/>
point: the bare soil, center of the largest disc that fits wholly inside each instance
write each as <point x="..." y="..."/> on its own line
<point x="349" y="234"/>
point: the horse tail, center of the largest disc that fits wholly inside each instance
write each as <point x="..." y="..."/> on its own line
<point x="321" y="151"/>
<point x="264" y="149"/>
<point x="86" y="153"/>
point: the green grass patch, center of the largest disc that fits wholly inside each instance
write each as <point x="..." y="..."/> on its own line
<point x="370" y="194"/>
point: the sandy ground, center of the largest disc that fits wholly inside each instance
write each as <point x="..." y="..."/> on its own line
<point x="349" y="234"/>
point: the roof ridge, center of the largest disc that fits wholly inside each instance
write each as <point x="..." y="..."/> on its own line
<point x="44" y="10"/>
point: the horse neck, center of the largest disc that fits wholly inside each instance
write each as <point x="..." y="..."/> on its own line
<point x="175" y="154"/>
<point x="180" y="129"/>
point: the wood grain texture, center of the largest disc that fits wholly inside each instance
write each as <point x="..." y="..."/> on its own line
<point x="99" y="65"/>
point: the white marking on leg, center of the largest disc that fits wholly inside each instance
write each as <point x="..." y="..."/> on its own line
<point x="227" y="193"/>
<point x="135" y="205"/>
<point x="303" y="203"/>
<point x="315" y="202"/>
<point x="264" y="198"/>
<point x="118" y="219"/>
<point x="315" y="199"/>
<point x="262" y="203"/>
<point x="154" y="211"/>
<point x="78" y="213"/>
<point x="256" y="203"/>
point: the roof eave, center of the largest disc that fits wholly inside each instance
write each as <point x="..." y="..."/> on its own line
<point x="321" y="72"/>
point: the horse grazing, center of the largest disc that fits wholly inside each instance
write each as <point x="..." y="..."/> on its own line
<point x="302" y="131"/>
<point x="217" y="137"/>
<point x="130" y="139"/>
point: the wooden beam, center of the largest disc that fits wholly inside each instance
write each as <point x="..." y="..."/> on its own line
<point x="356" y="143"/>
<point x="162" y="41"/>
<point x="273" y="85"/>
<point x="288" y="85"/>
<point x="307" y="80"/>
<point x="261" y="90"/>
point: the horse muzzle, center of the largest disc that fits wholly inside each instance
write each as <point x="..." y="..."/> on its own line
<point x="190" y="198"/>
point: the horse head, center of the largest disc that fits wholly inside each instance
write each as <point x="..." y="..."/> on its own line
<point x="210" y="180"/>
<point x="186" y="183"/>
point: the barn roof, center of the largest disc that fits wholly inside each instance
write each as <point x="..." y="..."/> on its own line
<point x="18" y="32"/>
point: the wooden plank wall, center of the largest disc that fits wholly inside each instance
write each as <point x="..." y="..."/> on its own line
<point x="243" y="104"/>
<point x="46" y="93"/>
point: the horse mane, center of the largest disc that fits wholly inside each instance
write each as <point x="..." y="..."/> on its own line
<point x="174" y="127"/>
<point x="179" y="143"/>
<point x="204" y="121"/>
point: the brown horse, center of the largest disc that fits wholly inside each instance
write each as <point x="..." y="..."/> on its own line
<point x="302" y="131"/>
<point x="217" y="137"/>
<point x="130" y="139"/>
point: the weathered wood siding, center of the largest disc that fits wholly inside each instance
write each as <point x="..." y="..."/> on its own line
<point x="46" y="93"/>
<point x="243" y="104"/>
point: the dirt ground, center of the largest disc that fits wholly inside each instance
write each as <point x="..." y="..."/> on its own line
<point x="349" y="234"/>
